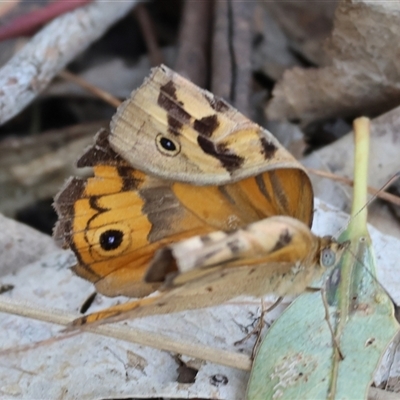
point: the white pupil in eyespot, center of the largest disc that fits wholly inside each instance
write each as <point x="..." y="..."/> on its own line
<point x="328" y="258"/>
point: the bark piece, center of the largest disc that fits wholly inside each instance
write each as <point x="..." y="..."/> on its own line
<point x="306" y="24"/>
<point x="363" y="75"/>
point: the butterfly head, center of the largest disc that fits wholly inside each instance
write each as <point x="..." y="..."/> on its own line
<point x="331" y="251"/>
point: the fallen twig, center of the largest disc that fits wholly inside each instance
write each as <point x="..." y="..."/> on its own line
<point x="376" y="192"/>
<point x="123" y="332"/>
<point x="29" y="72"/>
<point x="146" y="24"/>
<point x="96" y="91"/>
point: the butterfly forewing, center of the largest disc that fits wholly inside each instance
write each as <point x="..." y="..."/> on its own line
<point x="207" y="141"/>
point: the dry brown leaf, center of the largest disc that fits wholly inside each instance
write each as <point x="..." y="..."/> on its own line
<point x="363" y="75"/>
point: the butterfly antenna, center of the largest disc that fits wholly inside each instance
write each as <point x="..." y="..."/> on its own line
<point x="373" y="197"/>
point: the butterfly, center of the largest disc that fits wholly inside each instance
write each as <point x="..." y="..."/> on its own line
<point x="176" y="162"/>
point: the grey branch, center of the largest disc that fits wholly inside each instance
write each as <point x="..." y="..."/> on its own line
<point x="29" y="72"/>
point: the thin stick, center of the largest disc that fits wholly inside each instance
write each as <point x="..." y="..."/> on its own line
<point x="146" y="25"/>
<point x="376" y="192"/>
<point x="123" y="332"/>
<point x="102" y="94"/>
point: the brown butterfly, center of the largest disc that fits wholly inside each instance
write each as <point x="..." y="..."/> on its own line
<point x="171" y="131"/>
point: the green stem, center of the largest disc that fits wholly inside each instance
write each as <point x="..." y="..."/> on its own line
<point x="358" y="224"/>
<point x="357" y="228"/>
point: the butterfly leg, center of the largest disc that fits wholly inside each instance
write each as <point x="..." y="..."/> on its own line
<point x="259" y="326"/>
<point x="326" y="308"/>
<point x="327" y="317"/>
<point x="87" y="302"/>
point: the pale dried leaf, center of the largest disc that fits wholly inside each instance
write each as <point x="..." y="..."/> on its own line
<point x="21" y="245"/>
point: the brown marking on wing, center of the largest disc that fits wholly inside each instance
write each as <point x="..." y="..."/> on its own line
<point x="170" y="89"/>
<point x="268" y="148"/>
<point x="205" y="239"/>
<point x="168" y="101"/>
<point x="64" y="206"/>
<point x="206" y="125"/>
<point x="216" y="103"/>
<point x="280" y="194"/>
<point x="234" y="246"/>
<point x="174" y="126"/>
<point x="162" y="209"/>
<point x="284" y="239"/>
<point x="129" y="181"/>
<point x="229" y="161"/>
<point x="261" y="185"/>
<point x="65" y="199"/>
<point x="100" y="153"/>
